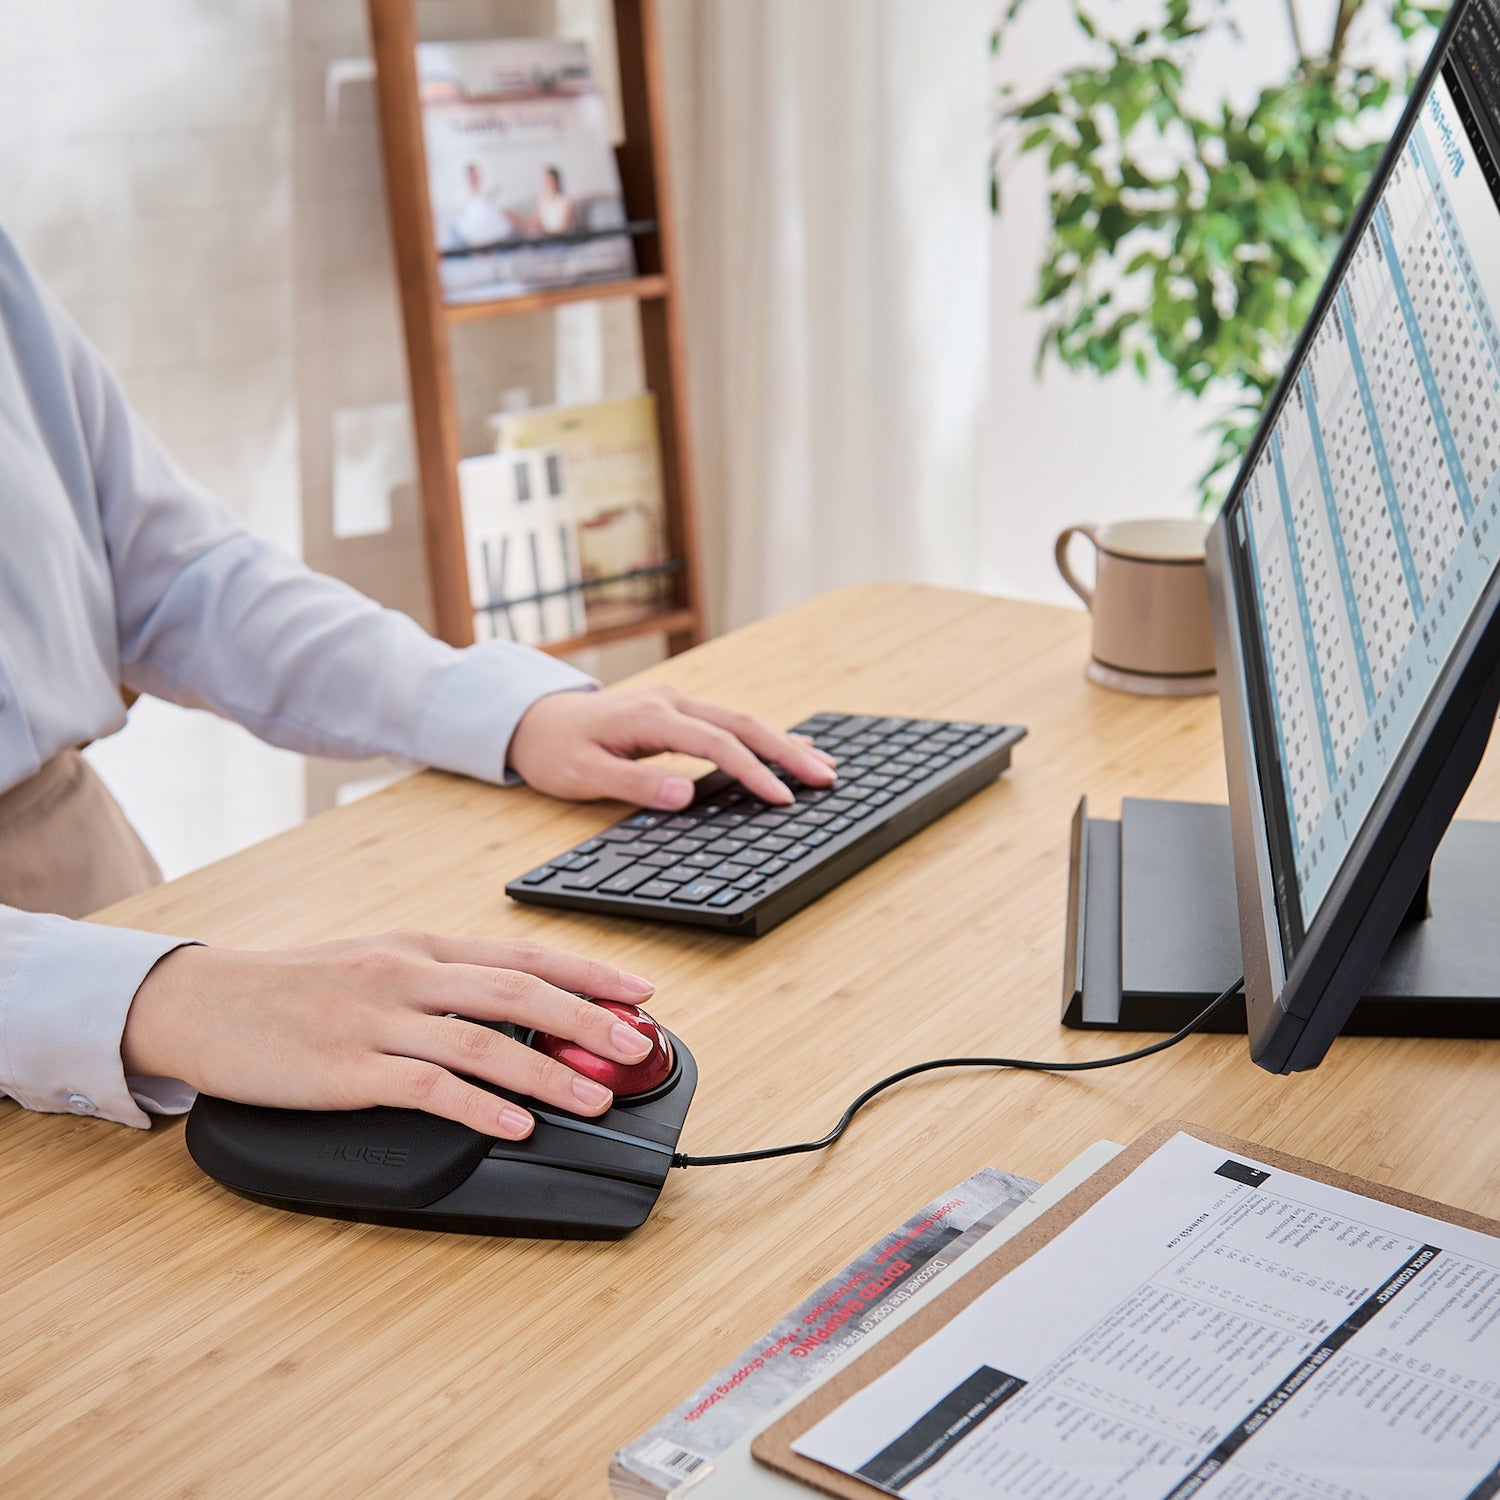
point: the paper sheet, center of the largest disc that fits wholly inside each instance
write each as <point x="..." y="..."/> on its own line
<point x="1208" y="1327"/>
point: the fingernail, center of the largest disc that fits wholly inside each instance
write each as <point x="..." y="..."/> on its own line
<point x="514" y="1122"/>
<point x="628" y="1040"/>
<point x="636" y="985"/>
<point x="676" y="791"/>
<point x="586" y="1091"/>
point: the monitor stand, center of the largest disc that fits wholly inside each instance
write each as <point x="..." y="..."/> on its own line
<point x="1153" y="929"/>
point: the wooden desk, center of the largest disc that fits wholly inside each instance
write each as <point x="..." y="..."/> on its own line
<point x="162" y="1336"/>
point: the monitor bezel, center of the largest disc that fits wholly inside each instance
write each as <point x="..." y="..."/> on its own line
<point x="1297" y="1003"/>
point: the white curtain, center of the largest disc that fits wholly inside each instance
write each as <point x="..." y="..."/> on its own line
<point x="838" y="243"/>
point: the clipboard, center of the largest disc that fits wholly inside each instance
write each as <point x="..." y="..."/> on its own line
<point x="773" y="1447"/>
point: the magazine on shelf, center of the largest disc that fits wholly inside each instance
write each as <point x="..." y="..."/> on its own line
<point x="522" y="547"/>
<point x="522" y="176"/>
<point x="680" y="1450"/>
<point x="612" y="457"/>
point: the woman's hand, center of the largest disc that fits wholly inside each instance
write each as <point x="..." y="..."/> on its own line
<point x="371" y="1021"/>
<point x="584" y="745"/>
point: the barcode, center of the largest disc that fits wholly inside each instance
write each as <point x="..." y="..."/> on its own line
<point x="682" y="1463"/>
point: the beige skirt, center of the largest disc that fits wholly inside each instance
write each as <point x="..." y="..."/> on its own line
<point x="65" y="845"/>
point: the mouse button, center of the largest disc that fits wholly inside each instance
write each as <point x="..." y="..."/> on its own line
<point x="632" y="1120"/>
<point x="559" y="1144"/>
<point x="520" y="1197"/>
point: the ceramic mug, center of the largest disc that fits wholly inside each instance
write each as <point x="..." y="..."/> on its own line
<point x="1152" y="628"/>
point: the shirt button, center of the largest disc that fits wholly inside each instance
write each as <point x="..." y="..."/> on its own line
<point x="80" y="1104"/>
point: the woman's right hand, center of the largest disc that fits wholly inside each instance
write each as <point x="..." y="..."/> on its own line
<point x="388" y="1020"/>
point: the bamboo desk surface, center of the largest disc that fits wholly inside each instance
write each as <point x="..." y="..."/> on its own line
<point x="161" y="1336"/>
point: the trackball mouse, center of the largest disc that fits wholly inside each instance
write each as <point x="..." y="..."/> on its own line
<point x="571" y="1178"/>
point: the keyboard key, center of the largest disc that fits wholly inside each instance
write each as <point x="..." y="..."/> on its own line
<point x="773" y="844"/>
<point x="586" y="880"/>
<point x="681" y="823"/>
<point x="618" y="835"/>
<point x="879" y="799"/>
<point x="752" y="857"/>
<point x="696" y="892"/>
<point x="728" y="871"/>
<point x="818" y="819"/>
<point x="658" y="836"/>
<point x="816" y="837"/>
<point x="645" y="820"/>
<point x="537" y="876"/>
<point x="682" y="844"/>
<point x="772" y="867"/>
<point x="750" y="881"/>
<point x="660" y="859"/>
<point x="796" y="852"/>
<point x="726" y="898"/>
<point x="699" y="860"/>
<point x="838" y="825"/>
<point x="593" y="846"/>
<point x="723" y="846"/>
<point x="655" y="890"/>
<point x="574" y="861"/>
<point x="627" y="880"/>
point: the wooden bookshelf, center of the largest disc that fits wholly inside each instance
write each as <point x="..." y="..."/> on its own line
<point x="427" y="321"/>
<point x="642" y="288"/>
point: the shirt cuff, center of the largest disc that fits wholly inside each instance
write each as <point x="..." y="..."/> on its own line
<point x="62" y="1014"/>
<point x="479" y="701"/>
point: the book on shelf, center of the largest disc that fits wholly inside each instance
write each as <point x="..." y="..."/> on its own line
<point x="521" y="543"/>
<point x="522" y="176"/>
<point x="611" y="454"/>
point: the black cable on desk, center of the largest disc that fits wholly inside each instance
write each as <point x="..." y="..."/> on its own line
<point x="680" y="1159"/>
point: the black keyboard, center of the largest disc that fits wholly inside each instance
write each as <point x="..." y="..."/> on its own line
<point x="733" y="862"/>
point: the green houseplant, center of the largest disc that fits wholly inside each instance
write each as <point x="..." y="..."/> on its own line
<point x="1197" y="240"/>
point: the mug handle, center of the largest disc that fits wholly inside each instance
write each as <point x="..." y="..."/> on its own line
<point x="1060" y="551"/>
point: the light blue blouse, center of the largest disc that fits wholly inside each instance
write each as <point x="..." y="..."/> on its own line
<point x="116" y="568"/>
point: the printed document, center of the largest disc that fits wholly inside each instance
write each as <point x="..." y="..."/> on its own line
<point x="1210" y="1327"/>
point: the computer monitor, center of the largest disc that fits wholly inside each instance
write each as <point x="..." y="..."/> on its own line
<point x="1353" y="569"/>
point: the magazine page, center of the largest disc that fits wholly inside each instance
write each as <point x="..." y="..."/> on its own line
<point x="524" y="185"/>
<point x="613" y="464"/>
<point x="818" y="1333"/>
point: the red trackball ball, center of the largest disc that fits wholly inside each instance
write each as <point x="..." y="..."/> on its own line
<point x="623" y="1080"/>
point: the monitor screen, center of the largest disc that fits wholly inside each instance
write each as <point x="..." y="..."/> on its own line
<point x="1365" y="526"/>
